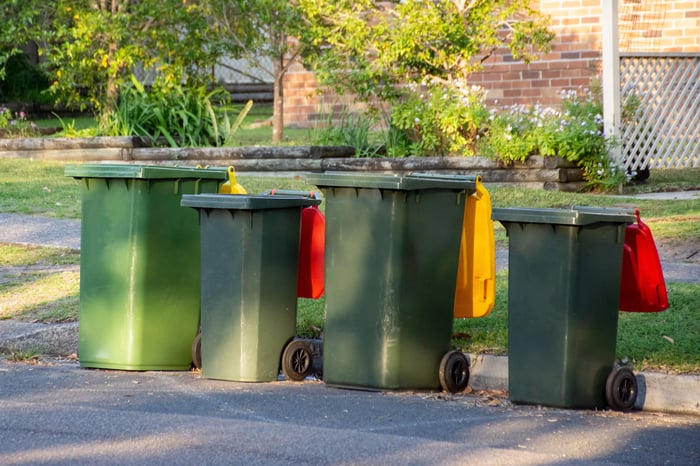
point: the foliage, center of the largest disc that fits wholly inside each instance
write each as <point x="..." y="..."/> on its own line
<point x="28" y="356"/>
<point x="575" y="133"/>
<point x="443" y="119"/>
<point x="23" y="81"/>
<point x="516" y="132"/>
<point x="580" y="139"/>
<point x="19" y="21"/>
<point x="93" y="47"/>
<point x="185" y="116"/>
<point x="16" y="125"/>
<point x="348" y="130"/>
<point x="373" y="49"/>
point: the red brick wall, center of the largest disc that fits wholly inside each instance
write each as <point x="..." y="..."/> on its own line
<point x="575" y="59"/>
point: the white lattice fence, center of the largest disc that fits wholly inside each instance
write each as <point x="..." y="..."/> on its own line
<point x="664" y="129"/>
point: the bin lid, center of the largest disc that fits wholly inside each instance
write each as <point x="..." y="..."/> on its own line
<point x="99" y="170"/>
<point x="577" y="215"/>
<point x="413" y="181"/>
<point x="246" y="201"/>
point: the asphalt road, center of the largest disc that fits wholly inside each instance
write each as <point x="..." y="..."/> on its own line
<point x="58" y="413"/>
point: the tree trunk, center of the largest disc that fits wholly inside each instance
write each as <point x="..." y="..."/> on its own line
<point x="112" y="90"/>
<point x="278" y="101"/>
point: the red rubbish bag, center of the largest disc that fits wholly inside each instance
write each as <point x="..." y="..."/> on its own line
<point x="642" y="286"/>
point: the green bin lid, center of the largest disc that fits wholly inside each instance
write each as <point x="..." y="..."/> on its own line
<point x="141" y="171"/>
<point x="574" y="216"/>
<point x="413" y="181"/>
<point x="246" y="201"/>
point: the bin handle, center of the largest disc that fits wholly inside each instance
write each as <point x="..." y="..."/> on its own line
<point x="292" y="192"/>
<point x="232" y="186"/>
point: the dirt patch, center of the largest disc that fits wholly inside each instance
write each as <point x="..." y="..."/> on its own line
<point x="686" y="251"/>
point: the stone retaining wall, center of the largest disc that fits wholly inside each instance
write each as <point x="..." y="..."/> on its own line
<point x="551" y="173"/>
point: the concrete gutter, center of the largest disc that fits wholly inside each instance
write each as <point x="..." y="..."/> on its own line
<point x="37" y="338"/>
<point x="671" y="393"/>
<point x="656" y="391"/>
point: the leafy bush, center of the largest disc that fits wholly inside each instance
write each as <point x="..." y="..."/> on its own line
<point x="516" y="132"/>
<point x="580" y="139"/>
<point x="452" y="119"/>
<point x="348" y="129"/>
<point x="182" y="116"/>
<point x="441" y="118"/>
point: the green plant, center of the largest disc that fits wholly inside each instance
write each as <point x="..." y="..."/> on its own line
<point x="183" y="116"/>
<point x="396" y="142"/>
<point x="516" y="132"/>
<point x="70" y="129"/>
<point x="27" y="356"/>
<point x="441" y="118"/>
<point x="580" y="139"/>
<point x="222" y="127"/>
<point x="16" y="125"/>
<point x="575" y="133"/>
<point x="347" y="129"/>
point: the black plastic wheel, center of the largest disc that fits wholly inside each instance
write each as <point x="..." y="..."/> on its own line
<point x="621" y="389"/>
<point x="297" y="360"/>
<point x="454" y="371"/>
<point x="197" y="351"/>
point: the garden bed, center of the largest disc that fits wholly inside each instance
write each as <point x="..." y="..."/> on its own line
<point x="550" y="173"/>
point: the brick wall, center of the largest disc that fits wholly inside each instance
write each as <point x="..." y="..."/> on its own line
<point x="575" y="59"/>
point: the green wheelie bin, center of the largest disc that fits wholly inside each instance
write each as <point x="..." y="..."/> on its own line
<point x="563" y="293"/>
<point x="139" y="264"/>
<point x="249" y="252"/>
<point x="392" y="251"/>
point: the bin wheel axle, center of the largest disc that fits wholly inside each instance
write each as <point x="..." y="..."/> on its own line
<point x="621" y="389"/>
<point x="454" y="372"/>
<point x="297" y="360"/>
<point x="197" y="351"/>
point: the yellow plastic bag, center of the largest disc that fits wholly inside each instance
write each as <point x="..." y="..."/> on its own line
<point x="475" y="293"/>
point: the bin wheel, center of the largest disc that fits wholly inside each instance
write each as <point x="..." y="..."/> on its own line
<point x="621" y="389"/>
<point x="297" y="360"/>
<point x="454" y="371"/>
<point x="197" y="351"/>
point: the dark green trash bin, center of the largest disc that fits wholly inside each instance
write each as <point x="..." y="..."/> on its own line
<point x="249" y="250"/>
<point x="139" y="265"/>
<point x="563" y="293"/>
<point x="392" y="250"/>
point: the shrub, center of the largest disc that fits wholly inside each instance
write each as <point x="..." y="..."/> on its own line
<point x="347" y="129"/>
<point x="441" y="118"/>
<point x="24" y="82"/>
<point x="184" y="116"/>
<point x="452" y="119"/>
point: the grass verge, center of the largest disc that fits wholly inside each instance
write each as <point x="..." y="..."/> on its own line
<point x="39" y="284"/>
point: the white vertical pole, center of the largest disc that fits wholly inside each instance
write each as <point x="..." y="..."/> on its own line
<point x="611" y="73"/>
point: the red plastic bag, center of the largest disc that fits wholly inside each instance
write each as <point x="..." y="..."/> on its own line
<point x="642" y="286"/>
